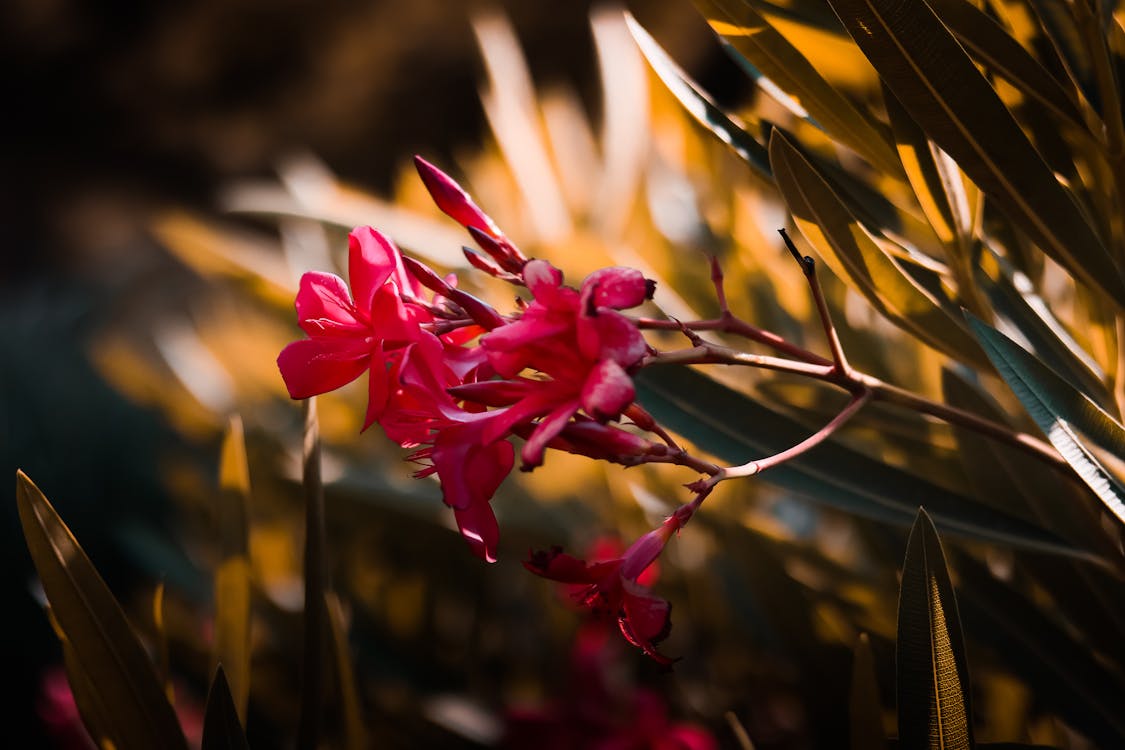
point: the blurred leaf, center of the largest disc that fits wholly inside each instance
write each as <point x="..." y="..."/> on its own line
<point x="865" y="709"/>
<point x="314" y="651"/>
<point x="857" y="258"/>
<point x="989" y="43"/>
<point x="355" y="732"/>
<point x="106" y="651"/>
<point x="163" y="661"/>
<point x="1068" y="677"/>
<point x="934" y="704"/>
<point x="89" y="703"/>
<point x="232" y="577"/>
<point x="698" y="104"/>
<point x="938" y="84"/>
<point x="1057" y="406"/>
<point x="222" y="729"/>
<point x="752" y="36"/>
<point x="736" y="428"/>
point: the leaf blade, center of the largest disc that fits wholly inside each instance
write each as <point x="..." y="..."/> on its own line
<point x="937" y="83"/>
<point x="934" y="703"/>
<point x="105" y="647"/>
<point x="222" y="729"/>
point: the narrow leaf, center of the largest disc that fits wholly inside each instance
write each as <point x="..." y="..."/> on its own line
<point x="698" y="104"/>
<point x="752" y="36"/>
<point x="865" y="709"/>
<point x="222" y="729"/>
<point x="314" y="651"/>
<point x="232" y="577"/>
<point x="938" y="84"/>
<point x="163" y="660"/>
<point x="1058" y="408"/>
<point x="854" y="255"/>
<point x="105" y="648"/>
<point x="355" y="731"/>
<point x="736" y="429"/>
<point x="934" y="703"/>
<point x="995" y="48"/>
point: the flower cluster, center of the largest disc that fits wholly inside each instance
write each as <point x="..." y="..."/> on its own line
<point x="454" y="379"/>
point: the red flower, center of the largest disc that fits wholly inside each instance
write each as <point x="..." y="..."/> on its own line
<point x="347" y="336"/>
<point x="611" y="587"/>
<point x="579" y="340"/>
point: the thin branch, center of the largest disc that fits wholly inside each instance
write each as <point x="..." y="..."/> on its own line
<point x="808" y="267"/>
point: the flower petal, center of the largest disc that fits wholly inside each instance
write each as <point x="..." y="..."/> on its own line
<point x="313" y="366"/>
<point x="372" y="259"/>
<point x="324" y="297"/>
<point x="547" y="429"/>
<point x="608" y="334"/>
<point x="607" y="391"/>
<point x="478" y="527"/>
<point x="644" y="620"/>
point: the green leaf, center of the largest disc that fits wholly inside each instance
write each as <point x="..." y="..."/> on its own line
<point x="1058" y="408"/>
<point x="940" y="87"/>
<point x="934" y="704"/>
<point x="222" y="729"/>
<point x="736" y="429"/>
<point x="106" y="650"/>
<point x="232" y="577"/>
<point x="995" y="48"/>
<point x="698" y="104"/>
<point x="865" y="709"/>
<point x="1014" y="300"/>
<point x="751" y="35"/>
<point x="854" y="255"/>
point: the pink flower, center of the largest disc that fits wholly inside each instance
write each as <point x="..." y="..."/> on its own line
<point x="347" y="336"/>
<point x="579" y="340"/>
<point x="611" y="588"/>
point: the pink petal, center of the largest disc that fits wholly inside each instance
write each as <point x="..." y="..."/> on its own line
<point x="542" y="278"/>
<point x="645" y="619"/>
<point x="470" y="473"/>
<point x="324" y="297"/>
<point x="547" y="430"/>
<point x="452" y="199"/>
<point x="394" y="321"/>
<point x="618" y="287"/>
<point x="372" y="259"/>
<point x="607" y="391"/>
<point x="378" y="386"/>
<point x="313" y="366"/>
<point x="479" y="528"/>
<point x="559" y="566"/>
<point x="610" y="335"/>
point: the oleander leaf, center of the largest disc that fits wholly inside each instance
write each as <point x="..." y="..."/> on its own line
<point x="934" y="700"/>
<point x="939" y="86"/>
<point x="1059" y="409"/>
<point x="105" y="649"/>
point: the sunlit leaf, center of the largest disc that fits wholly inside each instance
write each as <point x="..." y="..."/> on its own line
<point x="934" y="701"/>
<point x="1059" y="408"/>
<point x="163" y="660"/>
<point x="938" y="84"/>
<point x="698" y="104"/>
<point x="232" y="577"/>
<point x="105" y="648"/>
<point x="736" y="429"/>
<point x="752" y="36"/>
<point x="989" y="43"/>
<point x="854" y="255"/>
<point x="865" y="710"/>
<point x="222" y="729"/>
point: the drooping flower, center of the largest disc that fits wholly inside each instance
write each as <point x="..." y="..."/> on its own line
<point x="611" y="588"/>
